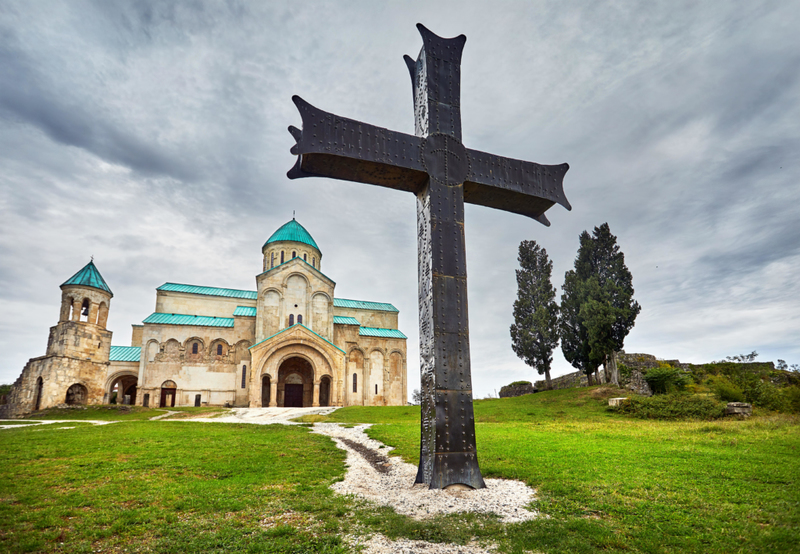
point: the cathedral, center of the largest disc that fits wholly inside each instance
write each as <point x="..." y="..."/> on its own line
<point x="289" y="343"/>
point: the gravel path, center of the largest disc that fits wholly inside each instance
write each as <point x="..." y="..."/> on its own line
<point x="394" y="488"/>
<point x="262" y="416"/>
<point x="378" y="544"/>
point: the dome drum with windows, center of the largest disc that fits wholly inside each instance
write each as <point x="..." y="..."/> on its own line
<point x="290" y="241"/>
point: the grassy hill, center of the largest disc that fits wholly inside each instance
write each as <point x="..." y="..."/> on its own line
<point x="606" y="482"/>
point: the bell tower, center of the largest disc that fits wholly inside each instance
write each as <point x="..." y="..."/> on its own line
<point x="81" y="330"/>
<point x="74" y="369"/>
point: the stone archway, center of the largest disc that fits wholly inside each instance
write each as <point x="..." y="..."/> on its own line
<point x="325" y="391"/>
<point x="77" y="395"/>
<point x="125" y="385"/>
<point x="295" y="383"/>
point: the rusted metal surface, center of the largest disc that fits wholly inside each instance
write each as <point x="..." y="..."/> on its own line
<point x="443" y="174"/>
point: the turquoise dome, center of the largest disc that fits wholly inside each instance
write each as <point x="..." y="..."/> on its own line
<point x="88" y="276"/>
<point x="294" y="232"/>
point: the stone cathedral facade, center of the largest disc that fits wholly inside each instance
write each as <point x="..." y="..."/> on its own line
<point x="288" y="343"/>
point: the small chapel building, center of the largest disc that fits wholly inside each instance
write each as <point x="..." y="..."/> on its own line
<point x="289" y="343"/>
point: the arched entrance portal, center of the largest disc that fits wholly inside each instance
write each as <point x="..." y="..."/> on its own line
<point x="295" y="383"/>
<point x="77" y="395"/>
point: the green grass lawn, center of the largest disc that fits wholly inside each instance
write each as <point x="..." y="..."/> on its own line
<point x="116" y="412"/>
<point x="605" y="481"/>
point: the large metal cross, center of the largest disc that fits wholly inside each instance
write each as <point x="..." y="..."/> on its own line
<point x="443" y="174"/>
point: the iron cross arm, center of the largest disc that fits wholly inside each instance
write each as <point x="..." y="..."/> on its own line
<point x="342" y="148"/>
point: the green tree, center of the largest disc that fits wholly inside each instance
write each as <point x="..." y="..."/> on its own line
<point x="534" y="333"/>
<point x="597" y="306"/>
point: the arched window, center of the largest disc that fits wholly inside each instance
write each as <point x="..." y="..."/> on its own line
<point x="305" y="257"/>
<point x="195" y="346"/>
<point x="294" y="254"/>
<point x="314" y="261"/>
<point x="376" y="389"/>
<point x="299" y="318"/>
<point x="272" y="260"/>
<point x="219" y="350"/>
<point x="244" y="376"/>
<point x="291" y="320"/>
<point x="355" y="382"/>
<point x="281" y="256"/>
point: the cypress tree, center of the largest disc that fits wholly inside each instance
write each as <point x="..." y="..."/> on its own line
<point x="534" y="333"/>
<point x="597" y="306"/>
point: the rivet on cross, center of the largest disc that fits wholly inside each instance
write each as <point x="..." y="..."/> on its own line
<point x="443" y="174"/>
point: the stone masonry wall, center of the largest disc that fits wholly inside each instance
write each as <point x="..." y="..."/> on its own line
<point x="517" y="389"/>
<point x="58" y="374"/>
<point x="568" y="381"/>
<point x="637" y="364"/>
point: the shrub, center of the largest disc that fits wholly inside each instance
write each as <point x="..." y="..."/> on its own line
<point x="666" y="379"/>
<point x="725" y="390"/>
<point x="766" y="395"/>
<point x="672" y="406"/>
<point x="792" y="395"/>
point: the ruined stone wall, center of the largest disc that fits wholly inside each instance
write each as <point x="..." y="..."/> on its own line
<point x="568" y="381"/>
<point x="517" y="389"/>
<point x="57" y="374"/>
<point x="635" y="365"/>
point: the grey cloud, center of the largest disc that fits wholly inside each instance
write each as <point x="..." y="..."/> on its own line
<point x="162" y="149"/>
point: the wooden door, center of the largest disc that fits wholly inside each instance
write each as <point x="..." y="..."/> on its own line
<point x="293" y="396"/>
<point x="167" y="398"/>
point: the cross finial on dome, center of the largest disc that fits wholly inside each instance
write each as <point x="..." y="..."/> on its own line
<point x="292" y="214"/>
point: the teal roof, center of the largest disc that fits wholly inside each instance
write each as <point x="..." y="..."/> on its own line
<point x="125" y="354"/>
<point x="295" y="325"/>
<point x="377" y="332"/>
<point x="245" y="311"/>
<point x="209" y="291"/>
<point x="253" y="295"/>
<point x="196" y="320"/>
<point x="89" y="277"/>
<point x="344" y="320"/>
<point x="292" y="231"/>
<point x="364" y="305"/>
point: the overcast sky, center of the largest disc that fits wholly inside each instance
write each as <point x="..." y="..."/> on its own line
<point x="153" y="137"/>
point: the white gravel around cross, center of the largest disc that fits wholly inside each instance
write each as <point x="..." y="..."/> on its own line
<point x="378" y="544"/>
<point x="507" y="499"/>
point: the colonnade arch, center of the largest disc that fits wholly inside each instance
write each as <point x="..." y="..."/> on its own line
<point x="126" y="384"/>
